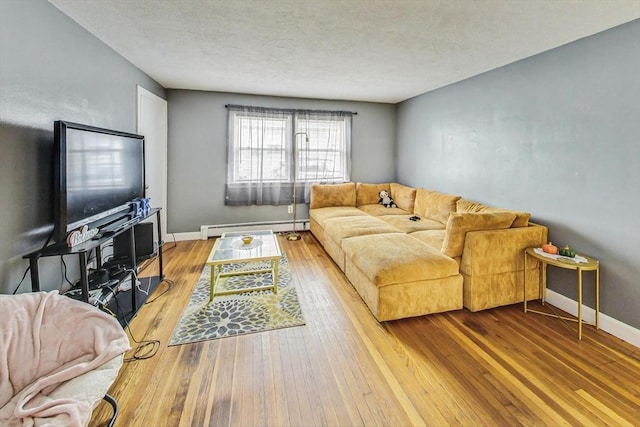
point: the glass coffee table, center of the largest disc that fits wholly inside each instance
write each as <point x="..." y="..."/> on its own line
<point x="230" y="250"/>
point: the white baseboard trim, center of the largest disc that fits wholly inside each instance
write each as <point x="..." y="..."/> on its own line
<point x="179" y="237"/>
<point x="607" y="323"/>
<point x="207" y="231"/>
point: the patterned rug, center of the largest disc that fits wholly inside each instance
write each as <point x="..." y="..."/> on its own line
<point x="238" y="314"/>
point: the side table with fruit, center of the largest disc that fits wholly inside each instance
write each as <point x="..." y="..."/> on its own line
<point x="564" y="258"/>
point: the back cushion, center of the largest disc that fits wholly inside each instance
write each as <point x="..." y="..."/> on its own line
<point x="522" y="218"/>
<point x="328" y="195"/>
<point x="460" y="223"/>
<point x="404" y="196"/>
<point x="464" y="205"/>
<point x="369" y="194"/>
<point x="434" y="205"/>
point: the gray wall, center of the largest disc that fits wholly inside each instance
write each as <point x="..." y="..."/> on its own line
<point x="50" y="69"/>
<point x="198" y="152"/>
<point x="558" y="135"/>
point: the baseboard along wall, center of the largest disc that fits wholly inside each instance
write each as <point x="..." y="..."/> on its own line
<point x="207" y="231"/>
<point x="607" y="323"/>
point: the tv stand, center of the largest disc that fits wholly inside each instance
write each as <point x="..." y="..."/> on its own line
<point x="83" y="250"/>
<point x="117" y="226"/>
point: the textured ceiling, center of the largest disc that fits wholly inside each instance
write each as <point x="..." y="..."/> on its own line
<point x="366" y="50"/>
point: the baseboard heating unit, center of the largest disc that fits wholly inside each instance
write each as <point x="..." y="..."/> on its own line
<point x="207" y="231"/>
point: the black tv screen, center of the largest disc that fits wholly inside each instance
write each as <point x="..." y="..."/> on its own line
<point x="99" y="172"/>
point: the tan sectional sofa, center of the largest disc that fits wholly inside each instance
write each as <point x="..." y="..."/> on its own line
<point x="459" y="253"/>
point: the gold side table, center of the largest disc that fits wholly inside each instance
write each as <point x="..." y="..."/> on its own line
<point x="569" y="264"/>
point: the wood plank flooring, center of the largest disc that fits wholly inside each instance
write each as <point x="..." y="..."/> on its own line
<point x="343" y="368"/>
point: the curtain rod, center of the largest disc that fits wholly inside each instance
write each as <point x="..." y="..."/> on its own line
<point x="293" y="110"/>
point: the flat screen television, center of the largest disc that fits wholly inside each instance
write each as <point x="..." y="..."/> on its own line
<point x="97" y="174"/>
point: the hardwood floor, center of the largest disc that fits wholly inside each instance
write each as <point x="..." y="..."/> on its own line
<point x="495" y="367"/>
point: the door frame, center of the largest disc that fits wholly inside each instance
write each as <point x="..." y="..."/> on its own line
<point x="160" y="121"/>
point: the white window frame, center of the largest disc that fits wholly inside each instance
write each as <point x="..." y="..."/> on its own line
<point x="256" y="143"/>
<point x="294" y="124"/>
<point x="317" y="132"/>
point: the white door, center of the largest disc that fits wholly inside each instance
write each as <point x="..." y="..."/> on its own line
<point x="152" y="124"/>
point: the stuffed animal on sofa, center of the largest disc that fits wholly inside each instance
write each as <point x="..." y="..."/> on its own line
<point x="386" y="200"/>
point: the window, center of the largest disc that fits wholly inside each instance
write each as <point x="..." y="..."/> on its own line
<point x="262" y="144"/>
<point x="259" y="148"/>
<point x="324" y="157"/>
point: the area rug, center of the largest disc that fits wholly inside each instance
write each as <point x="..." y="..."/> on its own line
<point x="245" y="313"/>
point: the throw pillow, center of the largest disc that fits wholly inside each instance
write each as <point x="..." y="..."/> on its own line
<point x="434" y="205"/>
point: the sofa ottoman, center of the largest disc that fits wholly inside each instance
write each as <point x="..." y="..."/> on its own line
<point x="398" y="276"/>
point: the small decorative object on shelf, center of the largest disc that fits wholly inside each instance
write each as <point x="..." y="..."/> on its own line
<point x="141" y="207"/>
<point x="247" y="239"/>
<point x="567" y="251"/>
<point x="550" y="248"/>
<point x="80" y="235"/>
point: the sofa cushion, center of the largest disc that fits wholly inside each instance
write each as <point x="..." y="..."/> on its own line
<point x="379" y="210"/>
<point x="433" y="238"/>
<point x="318" y="218"/>
<point x="460" y="223"/>
<point x="464" y="205"/>
<point x="369" y="194"/>
<point x="434" y="205"/>
<point x="327" y="195"/>
<point x="404" y="196"/>
<point x="342" y="228"/>
<point x="388" y="259"/>
<point x="321" y="215"/>
<point x="404" y="224"/>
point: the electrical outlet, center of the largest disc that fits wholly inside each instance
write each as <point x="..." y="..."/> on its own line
<point x="290" y="209"/>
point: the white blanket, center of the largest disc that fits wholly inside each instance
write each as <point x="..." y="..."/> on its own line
<point x="46" y="340"/>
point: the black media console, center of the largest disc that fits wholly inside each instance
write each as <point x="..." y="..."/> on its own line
<point x="108" y="279"/>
